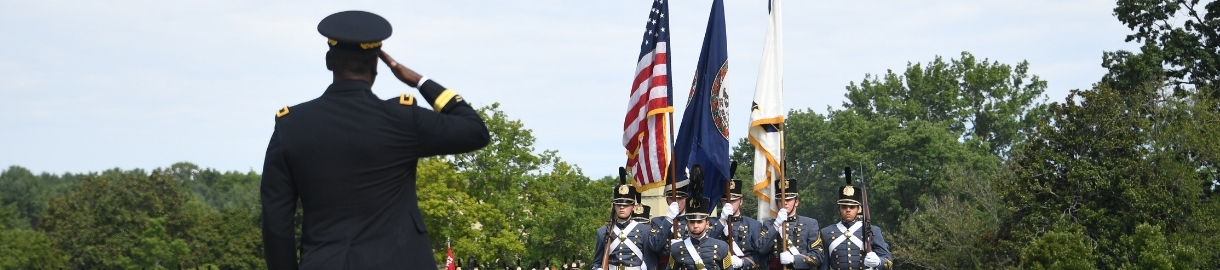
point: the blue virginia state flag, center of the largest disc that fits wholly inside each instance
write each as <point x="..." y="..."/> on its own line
<point x="704" y="134"/>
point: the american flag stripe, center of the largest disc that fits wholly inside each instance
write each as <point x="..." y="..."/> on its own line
<point x="645" y="127"/>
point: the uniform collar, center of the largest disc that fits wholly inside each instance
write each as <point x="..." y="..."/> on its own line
<point x="622" y="224"/>
<point x="696" y="240"/>
<point x="348" y="85"/>
<point x="848" y="224"/>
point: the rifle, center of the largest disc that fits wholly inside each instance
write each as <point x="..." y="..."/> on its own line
<point x="622" y="179"/>
<point x="867" y="235"/>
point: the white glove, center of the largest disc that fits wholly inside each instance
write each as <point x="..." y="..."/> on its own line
<point x="793" y="250"/>
<point x="735" y="261"/>
<point x="672" y="213"/>
<point x="871" y="260"/>
<point x="786" y="258"/>
<point x="726" y="211"/>
<point x="780" y="218"/>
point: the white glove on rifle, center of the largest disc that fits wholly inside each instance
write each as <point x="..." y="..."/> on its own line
<point x="735" y="261"/>
<point x="672" y="213"/>
<point x="726" y="212"/>
<point x="780" y="218"/>
<point x="871" y="260"/>
<point x="786" y="258"/>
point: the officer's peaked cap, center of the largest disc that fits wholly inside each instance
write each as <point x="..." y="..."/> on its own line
<point x="355" y="30"/>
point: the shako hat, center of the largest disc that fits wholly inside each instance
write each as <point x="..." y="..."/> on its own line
<point x="641" y="213"/>
<point x="624" y="193"/>
<point x="734" y="190"/>
<point x="848" y="194"/>
<point x="786" y="188"/>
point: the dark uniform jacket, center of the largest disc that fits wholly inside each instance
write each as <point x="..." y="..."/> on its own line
<point x="639" y="235"/>
<point x="350" y="158"/>
<point x="802" y="234"/>
<point x="662" y="232"/>
<point x="847" y="254"/>
<point x="746" y="232"/>
<point x="711" y="251"/>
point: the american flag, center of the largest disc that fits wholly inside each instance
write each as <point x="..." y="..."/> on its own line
<point x="645" y="130"/>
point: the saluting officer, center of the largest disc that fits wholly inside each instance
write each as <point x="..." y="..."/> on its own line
<point x="746" y="230"/>
<point x="698" y="250"/>
<point x="631" y="246"/>
<point x="662" y="226"/>
<point x="350" y="158"/>
<point x="800" y="234"/>
<point x="845" y="247"/>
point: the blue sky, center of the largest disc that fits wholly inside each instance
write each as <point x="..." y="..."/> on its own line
<point x="93" y="85"/>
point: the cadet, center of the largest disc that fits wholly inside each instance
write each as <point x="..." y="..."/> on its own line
<point x="631" y="246"/>
<point x="662" y="227"/>
<point x="698" y="250"/>
<point x="350" y="158"/>
<point x="746" y="230"/>
<point x="844" y="251"/>
<point x="800" y="234"/>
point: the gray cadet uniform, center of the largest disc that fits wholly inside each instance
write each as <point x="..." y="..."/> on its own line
<point x="662" y="230"/>
<point x="846" y="251"/>
<point x="746" y="232"/>
<point x="802" y="235"/>
<point x="631" y="242"/>
<point x="701" y="252"/>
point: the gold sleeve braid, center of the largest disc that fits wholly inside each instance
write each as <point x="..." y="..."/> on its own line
<point x="444" y="98"/>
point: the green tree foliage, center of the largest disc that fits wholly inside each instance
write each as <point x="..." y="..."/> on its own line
<point x="509" y="202"/>
<point x="987" y="101"/>
<point x="30" y="192"/>
<point x="123" y="219"/>
<point x="221" y="191"/>
<point x="1180" y="37"/>
<point x="29" y="249"/>
<point x="1106" y="161"/>
<point x="955" y="231"/>
<point x="156" y="249"/>
<point x="1064" y="247"/>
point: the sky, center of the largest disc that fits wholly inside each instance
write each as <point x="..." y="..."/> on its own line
<point x="92" y="85"/>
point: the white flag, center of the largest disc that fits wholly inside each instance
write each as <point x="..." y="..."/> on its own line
<point x="767" y="116"/>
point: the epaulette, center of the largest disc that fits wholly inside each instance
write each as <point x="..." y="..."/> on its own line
<point x="282" y="112"/>
<point x="406" y="100"/>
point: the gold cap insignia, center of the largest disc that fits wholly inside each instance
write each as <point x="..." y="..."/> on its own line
<point x="849" y="191"/>
<point x="622" y="190"/>
<point x="783" y="184"/>
<point x="732" y="185"/>
<point x="639" y="210"/>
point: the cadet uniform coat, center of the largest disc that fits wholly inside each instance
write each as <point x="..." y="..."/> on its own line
<point x="621" y="255"/>
<point x="350" y="158"/>
<point x="802" y="233"/>
<point x="712" y="252"/>
<point x="662" y="232"/>
<point x="847" y="254"/>
<point x="746" y="233"/>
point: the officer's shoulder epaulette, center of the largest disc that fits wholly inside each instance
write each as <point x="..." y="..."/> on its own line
<point x="406" y="100"/>
<point x="281" y="112"/>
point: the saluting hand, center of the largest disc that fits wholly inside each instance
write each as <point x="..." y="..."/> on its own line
<point x="401" y="71"/>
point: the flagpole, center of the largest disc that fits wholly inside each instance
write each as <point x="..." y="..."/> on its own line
<point x="673" y="171"/>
